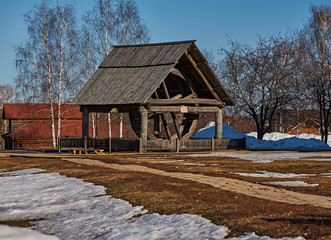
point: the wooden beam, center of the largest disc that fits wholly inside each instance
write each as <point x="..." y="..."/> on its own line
<point x="182" y="109"/>
<point x="164" y="121"/>
<point x="188" y="80"/>
<point x="143" y="122"/>
<point x="173" y="115"/>
<point x="85" y="122"/>
<point x="218" y="124"/>
<point x="97" y="108"/>
<point x="194" y="65"/>
<point x="182" y="101"/>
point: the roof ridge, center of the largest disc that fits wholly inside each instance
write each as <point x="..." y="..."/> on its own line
<point x="153" y="44"/>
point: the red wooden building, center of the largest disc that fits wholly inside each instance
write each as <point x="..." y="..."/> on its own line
<point x="29" y="125"/>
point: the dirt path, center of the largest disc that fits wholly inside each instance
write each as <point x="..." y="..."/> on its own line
<point x="228" y="184"/>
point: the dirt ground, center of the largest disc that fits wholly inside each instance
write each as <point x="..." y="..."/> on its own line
<point x="172" y="183"/>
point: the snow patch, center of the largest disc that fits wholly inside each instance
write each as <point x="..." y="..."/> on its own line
<point x="274" y="174"/>
<point x="292" y="184"/>
<point x="70" y="211"/>
<point x="270" y="157"/>
<point x="17" y="233"/>
<point x="272" y="141"/>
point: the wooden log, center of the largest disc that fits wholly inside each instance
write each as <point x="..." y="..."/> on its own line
<point x="179" y="109"/>
<point x="143" y="116"/>
<point x="58" y="145"/>
<point x="200" y="101"/>
<point x="85" y="122"/>
<point x="109" y="145"/>
<point x="173" y="115"/>
<point x="218" y="124"/>
<point x="194" y="65"/>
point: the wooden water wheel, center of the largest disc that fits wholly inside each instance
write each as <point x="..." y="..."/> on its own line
<point x="174" y="125"/>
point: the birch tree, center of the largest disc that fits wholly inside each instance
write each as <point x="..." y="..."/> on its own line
<point x="115" y="22"/>
<point x="316" y="63"/>
<point x="47" y="62"/>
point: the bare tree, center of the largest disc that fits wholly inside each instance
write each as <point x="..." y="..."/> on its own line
<point x="7" y="95"/>
<point x="316" y="63"/>
<point x="67" y="57"/>
<point x="129" y="28"/>
<point x="47" y="62"/>
<point x="114" y="22"/>
<point x="259" y="77"/>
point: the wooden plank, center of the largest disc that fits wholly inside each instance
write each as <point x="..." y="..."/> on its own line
<point x="182" y="101"/>
<point x="173" y="115"/>
<point x="201" y="75"/>
<point x="85" y="122"/>
<point x="178" y="109"/>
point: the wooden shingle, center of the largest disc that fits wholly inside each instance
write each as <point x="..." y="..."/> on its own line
<point x="130" y="74"/>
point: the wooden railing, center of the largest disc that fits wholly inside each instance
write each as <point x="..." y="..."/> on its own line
<point x="135" y="145"/>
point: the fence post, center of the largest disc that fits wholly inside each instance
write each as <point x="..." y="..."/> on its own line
<point x="85" y="144"/>
<point x="212" y="144"/>
<point x="177" y="144"/>
<point x="109" y="145"/>
<point x="141" y="145"/>
<point x="58" y="145"/>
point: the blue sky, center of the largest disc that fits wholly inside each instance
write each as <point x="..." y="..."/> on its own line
<point x="210" y="22"/>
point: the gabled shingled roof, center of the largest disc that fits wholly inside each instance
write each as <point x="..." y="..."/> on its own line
<point x="130" y="74"/>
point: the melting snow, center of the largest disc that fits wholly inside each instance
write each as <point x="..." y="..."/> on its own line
<point x="272" y="141"/>
<point x="274" y="174"/>
<point x="70" y="211"/>
<point x="292" y="184"/>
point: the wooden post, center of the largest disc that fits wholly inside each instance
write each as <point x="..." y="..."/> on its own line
<point x="143" y="116"/>
<point x="177" y="144"/>
<point x="109" y="145"/>
<point x="218" y="124"/>
<point x="157" y="126"/>
<point x="213" y="144"/>
<point x="85" y="144"/>
<point x="140" y="145"/>
<point x="85" y="122"/>
<point x="58" y="145"/>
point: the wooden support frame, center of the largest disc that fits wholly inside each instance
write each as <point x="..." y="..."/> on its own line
<point x="144" y="125"/>
<point x="85" y="122"/>
<point x="200" y="101"/>
<point x="194" y="65"/>
<point x="173" y="115"/>
<point x="182" y="109"/>
<point x="218" y="124"/>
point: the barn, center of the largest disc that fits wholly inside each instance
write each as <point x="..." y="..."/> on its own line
<point x="29" y="124"/>
<point x="164" y="88"/>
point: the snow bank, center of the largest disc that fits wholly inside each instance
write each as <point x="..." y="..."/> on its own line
<point x="16" y="233"/>
<point x="271" y="142"/>
<point x="70" y="211"/>
<point x="263" y="174"/>
<point x="292" y="184"/>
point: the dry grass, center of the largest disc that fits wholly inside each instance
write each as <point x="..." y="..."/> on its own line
<point x="167" y="195"/>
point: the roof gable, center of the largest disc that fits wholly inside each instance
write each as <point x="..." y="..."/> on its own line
<point x="130" y="74"/>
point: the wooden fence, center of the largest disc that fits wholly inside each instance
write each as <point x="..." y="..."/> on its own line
<point x="134" y="145"/>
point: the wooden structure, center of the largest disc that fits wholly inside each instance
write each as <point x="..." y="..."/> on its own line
<point x="29" y="124"/>
<point x="166" y="85"/>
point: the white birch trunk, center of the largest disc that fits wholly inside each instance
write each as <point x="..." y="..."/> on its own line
<point x="121" y="125"/>
<point x="109" y="125"/>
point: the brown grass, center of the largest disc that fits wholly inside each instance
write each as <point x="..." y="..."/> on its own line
<point x="166" y="195"/>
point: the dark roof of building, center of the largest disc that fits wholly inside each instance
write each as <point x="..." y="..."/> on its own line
<point x="130" y="74"/>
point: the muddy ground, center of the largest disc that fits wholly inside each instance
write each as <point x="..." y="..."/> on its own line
<point x="163" y="184"/>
